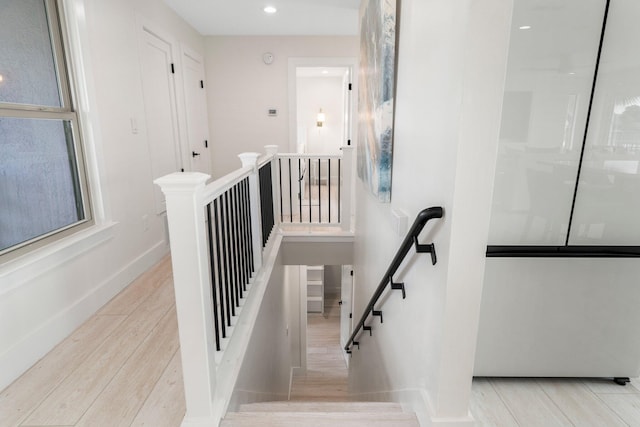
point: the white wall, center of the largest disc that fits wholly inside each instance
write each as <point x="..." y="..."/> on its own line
<point x="327" y="93"/>
<point x="265" y="371"/>
<point x="451" y="66"/>
<point x="241" y="89"/>
<point x="44" y="297"/>
<point x="332" y="279"/>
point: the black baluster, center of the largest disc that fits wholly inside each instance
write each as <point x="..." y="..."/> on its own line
<point x="319" y="198"/>
<point x="309" y="175"/>
<point x="329" y="187"/>
<point x="236" y="240"/>
<point x="233" y="271"/>
<point x="223" y="265"/>
<point x="249" y="227"/>
<point x="280" y="174"/>
<point x="243" y="236"/>
<point x="213" y="278"/>
<point x="227" y="254"/>
<point x="300" y="176"/>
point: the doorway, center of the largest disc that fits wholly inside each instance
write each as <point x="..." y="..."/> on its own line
<point x="322" y="115"/>
<point x="321" y="104"/>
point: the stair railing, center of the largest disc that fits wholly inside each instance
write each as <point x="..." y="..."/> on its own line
<point x="410" y="240"/>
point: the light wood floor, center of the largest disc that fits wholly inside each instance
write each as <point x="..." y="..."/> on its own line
<point x="122" y="368"/>
<point x="326" y="376"/>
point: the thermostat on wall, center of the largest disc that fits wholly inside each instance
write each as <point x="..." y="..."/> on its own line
<point x="267" y="57"/>
<point x="273" y="112"/>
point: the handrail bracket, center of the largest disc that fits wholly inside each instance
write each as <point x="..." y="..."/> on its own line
<point x="377" y="313"/>
<point x="398" y="286"/>
<point x="426" y="248"/>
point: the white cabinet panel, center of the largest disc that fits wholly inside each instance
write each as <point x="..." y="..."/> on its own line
<point x="607" y="205"/>
<point x="550" y="71"/>
<point x="566" y="317"/>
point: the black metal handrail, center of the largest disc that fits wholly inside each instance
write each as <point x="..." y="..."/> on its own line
<point x="411" y="239"/>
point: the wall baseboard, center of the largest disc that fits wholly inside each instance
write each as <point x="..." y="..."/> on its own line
<point x="24" y="354"/>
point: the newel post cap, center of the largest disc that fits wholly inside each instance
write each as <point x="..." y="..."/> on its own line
<point x="271" y="150"/>
<point x="249" y="159"/>
<point x="181" y="181"/>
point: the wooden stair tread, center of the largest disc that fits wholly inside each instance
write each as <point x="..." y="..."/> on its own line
<point x="292" y="406"/>
<point x="319" y="419"/>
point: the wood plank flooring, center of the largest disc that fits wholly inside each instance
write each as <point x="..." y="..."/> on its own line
<point x="540" y="402"/>
<point x="326" y="378"/>
<point x="122" y="368"/>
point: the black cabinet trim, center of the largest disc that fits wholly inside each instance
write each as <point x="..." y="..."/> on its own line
<point x="571" y="251"/>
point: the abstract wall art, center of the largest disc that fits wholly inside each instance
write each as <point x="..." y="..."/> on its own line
<point x="376" y="95"/>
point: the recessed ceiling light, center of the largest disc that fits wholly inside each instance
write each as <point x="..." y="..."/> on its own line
<point x="525" y="27"/>
<point x="270" y="10"/>
<point x="325" y="72"/>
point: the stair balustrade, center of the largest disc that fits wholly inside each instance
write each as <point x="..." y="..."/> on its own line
<point x="219" y="234"/>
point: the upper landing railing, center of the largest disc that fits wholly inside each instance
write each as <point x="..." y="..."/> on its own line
<point x="220" y="233"/>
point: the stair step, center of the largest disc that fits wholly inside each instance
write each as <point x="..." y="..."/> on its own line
<point x="319" y="419"/>
<point x="289" y="406"/>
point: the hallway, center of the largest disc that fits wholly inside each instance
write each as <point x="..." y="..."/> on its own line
<point x="326" y="376"/>
<point x="122" y="368"/>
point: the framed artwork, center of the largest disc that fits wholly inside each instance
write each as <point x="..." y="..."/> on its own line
<point x="376" y="95"/>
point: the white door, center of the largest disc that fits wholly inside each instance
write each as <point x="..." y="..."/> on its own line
<point x="160" y="108"/>
<point x="346" y="306"/>
<point x="196" y="111"/>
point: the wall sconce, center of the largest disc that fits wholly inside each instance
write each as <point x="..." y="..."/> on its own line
<point x="320" y="119"/>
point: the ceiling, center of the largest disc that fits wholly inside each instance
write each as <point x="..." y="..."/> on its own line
<point x="246" y="17"/>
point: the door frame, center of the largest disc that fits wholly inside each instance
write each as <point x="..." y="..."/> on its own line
<point x="294" y="63"/>
<point x="186" y="50"/>
<point x="144" y="29"/>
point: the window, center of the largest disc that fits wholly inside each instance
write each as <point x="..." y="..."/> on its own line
<point x="43" y="189"/>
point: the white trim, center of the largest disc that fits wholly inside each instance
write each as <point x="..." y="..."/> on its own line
<point x="15" y="273"/>
<point x="38" y="342"/>
<point x="74" y="20"/>
<point x="294" y="62"/>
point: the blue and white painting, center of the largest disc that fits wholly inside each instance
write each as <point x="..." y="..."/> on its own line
<point x="376" y="95"/>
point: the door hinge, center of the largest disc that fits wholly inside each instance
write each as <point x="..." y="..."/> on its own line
<point x="350" y="87"/>
<point x="348" y="142"/>
<point x="206" y="144"/>
<point x="173" y="70"/>
<point x="350" y="315"/>
<point x="181" y="169"/>
<point x="201" y="84"/>
<point x="351" y="272"/>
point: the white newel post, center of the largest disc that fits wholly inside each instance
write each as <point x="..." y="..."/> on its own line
<point x="272" y="151"/>
<point x="251" y="159"/>
<point x="185" y="216"/>
<point x="347" y="188"/>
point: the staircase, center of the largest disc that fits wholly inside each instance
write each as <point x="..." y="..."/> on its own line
<point x="320" y="414"/>
<point x="319" y="397"/>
